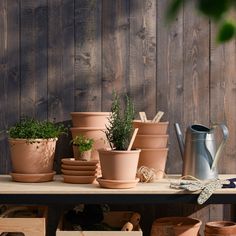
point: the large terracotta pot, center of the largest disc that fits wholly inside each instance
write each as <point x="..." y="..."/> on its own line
<point x="176" y="226"/>
<point x="151" y="128"/>
<point x="220" y="228"/>
<point x="90" y="119"/>
<point x="154" y="158"/>
<point x="97" y="134"/>
<point x="150" y="141"/>
<point x="119" y="165"/>
<point x="32" y="157"/>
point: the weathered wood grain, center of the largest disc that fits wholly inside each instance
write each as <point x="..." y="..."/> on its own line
<point x="142" y="68"/>
<point x="115" y="49"/>
<point x="88" y="55"/>
<point x="170" y="79"/>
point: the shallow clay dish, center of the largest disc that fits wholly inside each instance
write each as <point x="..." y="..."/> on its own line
<point x="32" y="178"/>
<point x="106" y="183"/>
<point x="78" y="179"/>
<point x="79" y="168"/>
<point x="79" y="173"/>
<point x="73" y="162"/>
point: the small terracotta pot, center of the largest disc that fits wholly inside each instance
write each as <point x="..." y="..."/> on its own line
<point x="119" y="165"/>
<point x="154" y="158"/>
<point x="150" y="141"/>
<point x="32" y="157"/>
<point x="90" y="119"/>
<point x="176" y="226"/>
<point x="81" y="156"/>
<point x="151" y="128"/>
<point x="220" y="228"/>
<point x="95" y="133"/>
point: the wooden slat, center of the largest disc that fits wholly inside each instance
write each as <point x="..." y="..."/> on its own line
<point x="3" y="85"/>
<point x="27" y="59"/>
<point x="142" y="67"/>
<point x="88" y="55"/>
<point x="170" y="79"/>
<point x="60" y="59"/>
<point x="115" y="49"/>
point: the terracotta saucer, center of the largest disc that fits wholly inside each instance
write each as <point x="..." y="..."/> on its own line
<point x="78" y="179"/>
<point x="79" y="168"/>
<point x="33" y="178"/>
<point x="107" y="183"/>
<point x="73" y="162"/>
<point x="79" y="173"/>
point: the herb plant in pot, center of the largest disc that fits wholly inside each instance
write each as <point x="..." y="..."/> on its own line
<point x="118" y="165"/>
<point x="82" y="147"/>
<point x="32" y="149"/>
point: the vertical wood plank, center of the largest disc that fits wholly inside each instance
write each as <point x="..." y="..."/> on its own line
<point x="88" y="55"/>
<point x="61" y="69"/>
<point x="41" y="35"/>
<point x="3" y="85"/>
<point x="115" y="49"/>
<point x="143" y="55"/>
<point x="60" y="59"/>
<point x="196" y="76"/>
<point x="27" y="58"/>
<point x="170" y="79"/>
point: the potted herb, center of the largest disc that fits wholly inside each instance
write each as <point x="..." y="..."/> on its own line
<point x="32" y="147"/>
<point x="82" y="147"/>
<point x="118" y="163"/>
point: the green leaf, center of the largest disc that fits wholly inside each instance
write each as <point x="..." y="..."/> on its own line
<point x="173" y="9"/>
<point x="214" y="8"/>
<point x="226" y="32"/>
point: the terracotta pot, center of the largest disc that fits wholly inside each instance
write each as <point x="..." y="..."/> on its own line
<point x="119" y="165"/>
<point x="220" y="228"/>
<point x="90" y="119"/>
<point x="97" y="134"/>
<point x="154" y="158"/>
<point x="84" y="155"/>
<point x="151" y="128"/>
<point x="176" y="226"/>
<point x="150" y="141"/>
<point x="32" y="157"/>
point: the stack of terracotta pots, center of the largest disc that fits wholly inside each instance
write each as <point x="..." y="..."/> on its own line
<point x="91" y="125"/>
<point x="152" y="139"/>
<point x="220" y="228"/>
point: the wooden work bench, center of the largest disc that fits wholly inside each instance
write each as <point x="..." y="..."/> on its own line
<point x="58" y="192"/>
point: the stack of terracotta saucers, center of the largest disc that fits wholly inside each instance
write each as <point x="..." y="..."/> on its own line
<point x="78" y="171"/>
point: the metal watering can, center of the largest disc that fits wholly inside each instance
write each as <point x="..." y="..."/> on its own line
<point x="199" y="153"/>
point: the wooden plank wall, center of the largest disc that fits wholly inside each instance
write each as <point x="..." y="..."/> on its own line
<point x="58" y="56"/>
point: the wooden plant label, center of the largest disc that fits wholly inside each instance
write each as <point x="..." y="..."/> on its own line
<point x="143" y="116"/>
<point x="132" y="139"/>
<point x="157" y="117"/>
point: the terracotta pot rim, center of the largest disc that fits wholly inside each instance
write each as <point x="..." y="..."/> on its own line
<point x="195" y="222"/>
<point x="220" y="225"/>
<point x="98" y="113"/>
<point x="151" y="123"/>
<point x="154" y="149"/>
<point x="137" y="150"/>
<point x="32" y="139"/>
<point x="153" y="135"/>
<point x="88" y="128"/>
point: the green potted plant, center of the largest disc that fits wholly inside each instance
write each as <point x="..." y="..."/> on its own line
<point x="32" y="148"/>
<point x="118" y="163"/>
<point x="82" y="147"/>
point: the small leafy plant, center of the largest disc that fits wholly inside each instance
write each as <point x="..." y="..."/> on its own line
<point x="28" y="128"/>
<point x="120" y="128"/>
<point x="83" y="143"/>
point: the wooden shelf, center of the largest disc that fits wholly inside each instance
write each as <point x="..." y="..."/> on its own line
<point x="59" y="192"/>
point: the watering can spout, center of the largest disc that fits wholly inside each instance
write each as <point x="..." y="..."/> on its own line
<point x="180" y="139"/>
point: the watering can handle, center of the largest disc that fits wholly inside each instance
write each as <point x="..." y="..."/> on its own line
<point x="220" y="148"/>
